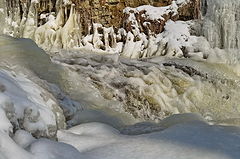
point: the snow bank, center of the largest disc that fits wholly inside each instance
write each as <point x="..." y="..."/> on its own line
<point x="192" y="139"/>
<point x="153" y="13"/>
<point x="47" y="149"/>
<point x="184" y="137"/>
<point x="25" y="105"/>
<point x="24" y="146"/>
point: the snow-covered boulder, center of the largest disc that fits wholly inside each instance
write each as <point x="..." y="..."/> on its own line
<point x="26" y="105"/>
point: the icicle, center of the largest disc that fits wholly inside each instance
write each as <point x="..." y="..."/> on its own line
<point x="71" y="30"/>
<point x="106" y="37"/>
<point x="151" y="47"/>
<point x="97" y="43"/>
<point x="222" y="23"/>
<point x="60" y="18"/>
<point x="113" y="38"/>
<point x="132" y="49"/>
<point x="31" y="25"/>
<point x="57" y="44"/>
<point x="109" y="32"/>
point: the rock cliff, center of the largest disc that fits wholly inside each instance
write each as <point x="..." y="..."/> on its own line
<point x="105" y="25"/>
<point x="110" y="12"/>
<point x="106" y="12"/>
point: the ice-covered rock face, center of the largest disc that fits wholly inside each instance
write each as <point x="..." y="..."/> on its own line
<point x="55" y="25"/>
<point x="221" y="23"/>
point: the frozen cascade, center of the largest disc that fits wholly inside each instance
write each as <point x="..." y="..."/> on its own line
<point x="221" y="24"/>
<point x="153" y="89"/>
<point x="23" y="56"/>
<point x="149" y="90"/>
<point x="147" y="94"/>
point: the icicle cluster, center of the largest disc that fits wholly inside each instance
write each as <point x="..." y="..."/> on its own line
<point x="222" y="23"/>
<point x="147" y="31"/>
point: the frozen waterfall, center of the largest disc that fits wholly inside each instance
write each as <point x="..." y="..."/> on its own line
<point x="221" y="24"/>
<point x="115" y="93"/>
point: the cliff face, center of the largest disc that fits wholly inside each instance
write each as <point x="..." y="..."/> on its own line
<point x="106" y="12"/>
<point x="110" y="12"/>
<point x="106" y="25"/>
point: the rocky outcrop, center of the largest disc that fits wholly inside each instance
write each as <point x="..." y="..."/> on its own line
<point x="109" y="12"/>
<point x="152" y="19"/>
<point x="149" y="19"/>
<point x="190" y="10"/>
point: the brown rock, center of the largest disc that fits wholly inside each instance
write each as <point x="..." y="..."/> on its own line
<point x="110" y="12"/>
<point x="159" y="3"/>
<point x="190" y="11"/>
<point x="185" y="12"/>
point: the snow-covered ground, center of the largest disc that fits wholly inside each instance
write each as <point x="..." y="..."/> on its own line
<point x="195" y="140"/>
<point x="26" y="105"/>
<point x="192" y="138"/>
